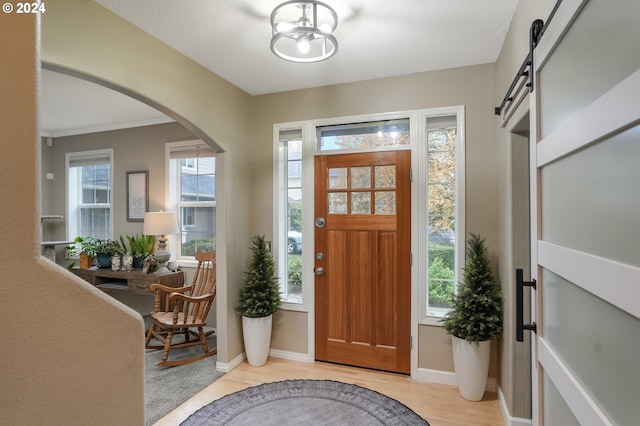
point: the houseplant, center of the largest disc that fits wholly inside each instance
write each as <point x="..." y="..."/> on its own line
<point x="259" y="300"/>
<point x="140" y="247"/>
<point x="105" y="249"/>
<point x="85" y="248"/>
<point x="474" y="320"/>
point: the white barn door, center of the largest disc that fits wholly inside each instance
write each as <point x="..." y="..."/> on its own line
<point x="586" y="199"/>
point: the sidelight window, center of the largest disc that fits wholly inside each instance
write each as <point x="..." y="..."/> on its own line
<point x="443" y="228"/>
<point x="290" y="239"/>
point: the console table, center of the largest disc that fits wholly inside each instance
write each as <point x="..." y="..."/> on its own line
<point x="134" y="282"/>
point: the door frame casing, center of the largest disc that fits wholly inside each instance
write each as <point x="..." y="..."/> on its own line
<point x="310" y="146"/>
<point x="418" y="150"/>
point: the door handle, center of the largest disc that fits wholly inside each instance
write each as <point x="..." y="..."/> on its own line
<point x="319" y="270"/>
<point x="520" y="325"/>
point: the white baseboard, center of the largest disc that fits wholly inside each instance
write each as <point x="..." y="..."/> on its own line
<point x="225" y="367"/>
<point x="508" y="419"/>
<point x="291" y="356"/>
<point x="447" y="378"/>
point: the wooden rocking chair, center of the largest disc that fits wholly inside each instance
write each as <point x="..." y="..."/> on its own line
<point x="182" y="310"/>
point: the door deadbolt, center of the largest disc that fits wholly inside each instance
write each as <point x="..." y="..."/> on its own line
<point x="320" y="222"/>
<point x="320" y="256"/>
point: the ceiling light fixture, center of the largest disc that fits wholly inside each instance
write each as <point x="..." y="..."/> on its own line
<point x="302" y="31"/>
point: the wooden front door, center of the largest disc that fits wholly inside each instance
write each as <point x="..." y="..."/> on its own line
<point x="362" y="260"/>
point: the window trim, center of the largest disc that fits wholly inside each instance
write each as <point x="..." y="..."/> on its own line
<point x="172" y="205"/>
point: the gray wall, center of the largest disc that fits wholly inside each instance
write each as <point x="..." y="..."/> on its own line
<point x="472" y="87"/>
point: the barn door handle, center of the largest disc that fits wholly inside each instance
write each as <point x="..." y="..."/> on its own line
<point x="520" y="325"/>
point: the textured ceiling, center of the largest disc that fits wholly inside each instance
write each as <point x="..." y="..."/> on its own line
<point x="377" y="38"/>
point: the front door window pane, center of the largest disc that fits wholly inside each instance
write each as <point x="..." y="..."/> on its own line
<point x="361" y="177"/>
<point x="338" y="203"/>
<point x="360" y="203"/>
<point x="385" y="202"/>
<point x="338" y="178"/>
<point x="385" y="176"/>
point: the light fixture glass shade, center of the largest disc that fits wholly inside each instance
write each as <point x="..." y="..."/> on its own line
<point x="302" y="31"/>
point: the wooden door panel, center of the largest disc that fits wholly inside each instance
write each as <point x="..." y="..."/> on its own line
<point x="387" y="300"/>
<point x="363" y="298"/>
<point x="336" y="292"/>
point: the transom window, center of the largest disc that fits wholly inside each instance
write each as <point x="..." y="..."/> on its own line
<point x="367" y="135"/>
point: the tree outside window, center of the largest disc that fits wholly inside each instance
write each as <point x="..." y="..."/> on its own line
<point x="441" y="212"/>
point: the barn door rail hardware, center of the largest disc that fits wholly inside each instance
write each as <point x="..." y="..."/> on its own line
<point x="526" y="69"/>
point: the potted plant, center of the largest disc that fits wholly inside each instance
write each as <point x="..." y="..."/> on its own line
<point x="259" y="300"/>
<point x="474" y="320"/>
<point x="140" y="247"/>
<point x="85" y="248"/>
<point x="105" y="249"/>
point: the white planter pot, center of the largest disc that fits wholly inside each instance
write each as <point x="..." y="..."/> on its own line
<point x="256" y="333"/>
<point x="471" y="363"/>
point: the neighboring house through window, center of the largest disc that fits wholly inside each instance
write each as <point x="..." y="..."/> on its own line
<point x="89" y="194"/>
<point x="192" y="195"/>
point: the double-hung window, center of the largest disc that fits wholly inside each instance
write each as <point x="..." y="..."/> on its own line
<point x="89" y="195"/>
<point x="192" y="195"/>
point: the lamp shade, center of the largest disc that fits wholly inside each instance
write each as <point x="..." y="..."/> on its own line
<point x="160" y="223"/>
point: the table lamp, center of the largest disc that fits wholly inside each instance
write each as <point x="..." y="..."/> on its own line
<point x="160" y="224"/>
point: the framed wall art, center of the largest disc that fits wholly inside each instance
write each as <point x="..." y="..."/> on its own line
<point x="137" y="195"/>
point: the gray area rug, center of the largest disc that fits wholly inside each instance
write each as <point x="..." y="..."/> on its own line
<point x="305" y="402"/>
<point x="166" y="388"/>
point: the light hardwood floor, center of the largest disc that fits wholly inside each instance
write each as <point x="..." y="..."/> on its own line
<point x="440" y="405"/>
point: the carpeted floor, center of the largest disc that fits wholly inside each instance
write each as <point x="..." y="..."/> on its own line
<point x="167" y="388"/>
<point x="305" y="402"/>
